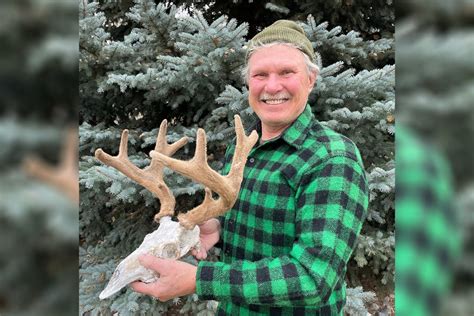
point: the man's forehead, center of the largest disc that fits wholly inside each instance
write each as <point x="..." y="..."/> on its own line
<point x="275" y="62"/>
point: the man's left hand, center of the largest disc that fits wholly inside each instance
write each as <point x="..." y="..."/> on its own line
<point x="177" y="278"/>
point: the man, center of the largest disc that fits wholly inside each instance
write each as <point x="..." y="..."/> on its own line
<point x="287" y="240"/>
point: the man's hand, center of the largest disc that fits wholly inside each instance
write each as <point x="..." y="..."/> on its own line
<point x="209" y="236"/>
<point x="177" y="278"/>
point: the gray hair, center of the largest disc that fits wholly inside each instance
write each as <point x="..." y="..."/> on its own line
<point x="310" y="65"/>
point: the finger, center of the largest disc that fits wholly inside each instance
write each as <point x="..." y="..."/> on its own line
<point x="152" y="263"/>
<point x="209" y="226"/>
<point x="202" y="254"/>
<point x="197" y="255"/>
<point x="144" y="288"/>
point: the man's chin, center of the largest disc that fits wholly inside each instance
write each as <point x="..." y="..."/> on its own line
<point x="274" y="121"/>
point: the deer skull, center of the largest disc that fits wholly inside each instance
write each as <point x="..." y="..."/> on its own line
<point x="171" y="240"/>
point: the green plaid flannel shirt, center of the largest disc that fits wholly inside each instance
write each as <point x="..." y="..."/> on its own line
<point x="428" y="227"/>
<point x="287" y="239"/>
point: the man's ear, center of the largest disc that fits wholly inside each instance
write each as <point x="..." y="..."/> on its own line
<point x="312" y="80"/>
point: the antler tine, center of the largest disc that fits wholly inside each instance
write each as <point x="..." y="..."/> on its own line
<point x="150" y="177"/>
<point x="63" y="177"/>
<point x="69" y="169"/>
<point x="70" y="152"/>
<point x="197" y="165"/>
<point x="198" y="169"/>
<point x="243" y="147"/>
<point x="162" y="145"/>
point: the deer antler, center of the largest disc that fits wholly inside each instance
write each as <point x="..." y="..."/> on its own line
<point x="150" y="177"/>
<point x="198" y="169"/>
<point x="65" y="176"/>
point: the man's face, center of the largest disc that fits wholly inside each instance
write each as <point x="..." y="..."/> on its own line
<point x="279" y="85"/>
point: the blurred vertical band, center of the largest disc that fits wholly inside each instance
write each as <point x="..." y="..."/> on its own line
<point x="435" y="173"/>
<point x="38" y="104"/>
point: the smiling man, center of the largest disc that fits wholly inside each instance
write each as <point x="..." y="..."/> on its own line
<point x="287" y="240"/>
<point x="279" y="85"/>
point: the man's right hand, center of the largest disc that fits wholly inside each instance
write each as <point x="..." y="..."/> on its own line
<point x="209" y="236"/>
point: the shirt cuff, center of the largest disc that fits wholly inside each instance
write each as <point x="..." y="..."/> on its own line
<point x="208" y="284"/>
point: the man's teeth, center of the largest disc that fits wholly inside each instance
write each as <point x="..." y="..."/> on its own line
<point x="275" y="101"/>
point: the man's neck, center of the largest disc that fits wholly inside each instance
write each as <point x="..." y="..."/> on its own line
<point x="270" y="132"/>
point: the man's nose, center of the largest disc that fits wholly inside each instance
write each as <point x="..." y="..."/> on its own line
<point x="273" y="84"/>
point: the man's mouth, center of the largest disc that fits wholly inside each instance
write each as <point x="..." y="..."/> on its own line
<point x="274" y="101"/>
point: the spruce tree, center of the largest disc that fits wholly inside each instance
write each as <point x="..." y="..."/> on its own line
<point x="371" y="19"/>
<point x="143" y="62"/>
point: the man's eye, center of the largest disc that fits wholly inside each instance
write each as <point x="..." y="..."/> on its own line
<point x="259" y="75"/>
<point x="287" y="72"/>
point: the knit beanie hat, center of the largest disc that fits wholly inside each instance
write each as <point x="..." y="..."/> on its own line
<point x="284" y="31"/>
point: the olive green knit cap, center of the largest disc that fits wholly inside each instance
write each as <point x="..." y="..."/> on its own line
<point x="285" y="31"/>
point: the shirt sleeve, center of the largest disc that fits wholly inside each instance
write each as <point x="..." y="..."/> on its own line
<point x="332" y="200"/>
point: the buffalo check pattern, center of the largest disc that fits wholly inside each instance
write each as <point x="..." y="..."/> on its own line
<point x="287" y="239"/>
<point x="429" y="229"/>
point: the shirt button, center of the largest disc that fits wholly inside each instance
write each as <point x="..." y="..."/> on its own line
<point x="251" y="160"/>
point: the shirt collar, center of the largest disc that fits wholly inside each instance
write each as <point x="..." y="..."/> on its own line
<point x="296" y="133"/>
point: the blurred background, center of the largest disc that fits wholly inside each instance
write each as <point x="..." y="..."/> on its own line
<point x="38" y="172"/>
<point x="435" y="183"/>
